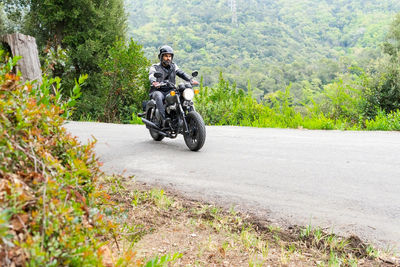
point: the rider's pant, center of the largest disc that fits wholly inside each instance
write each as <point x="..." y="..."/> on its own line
<point x="159" y="97"/>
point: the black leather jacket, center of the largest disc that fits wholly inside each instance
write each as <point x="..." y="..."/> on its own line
<point x="169" y="74"/>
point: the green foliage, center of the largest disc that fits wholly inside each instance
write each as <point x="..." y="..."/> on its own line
<point x="309" y="47"/>
<point x="75" y="37"/>
<point x="276" y="43"/>
<point x="5" y="235"/>
<point x="135" y="119"/>
<point x="224" y="104"/>
<point x="12" y="15"/>
<point x="50" y="208"/>
<point x="163" y="260"/>
<point x="392" y="44"/>
<point x="49" y="93"/>
<point x="382" y="90"/>
<point x="124" y="78"/>
<point x="341" y="106"/>
<point x="85" y="27"/>
<point x="384" y="121"/>
<point x="342" y="101"/>
<point x="385" y="89"/>
<point x="56" y="62"/>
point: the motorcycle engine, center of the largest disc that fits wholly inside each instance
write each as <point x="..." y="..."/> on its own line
<point x="170" y="108"/>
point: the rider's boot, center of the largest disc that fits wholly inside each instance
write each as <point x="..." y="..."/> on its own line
<point x="165" y="122"/>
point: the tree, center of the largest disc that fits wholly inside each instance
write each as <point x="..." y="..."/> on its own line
<point x="85" y="27"/>
<point x="392" y="44"/>
<point x="12" y="15"/>
<point x="84" y="31"/>
<point x="124" y="80"/>
<point x="385" y="93"/>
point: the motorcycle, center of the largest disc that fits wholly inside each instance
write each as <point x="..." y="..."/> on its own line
<point x="181" y="116"/>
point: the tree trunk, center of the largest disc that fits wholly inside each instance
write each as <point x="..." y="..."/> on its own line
<point x="25" y="46"/>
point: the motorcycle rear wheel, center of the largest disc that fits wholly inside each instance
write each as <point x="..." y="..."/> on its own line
<point x="197" y="131"/>
<point x="156" y="136"/>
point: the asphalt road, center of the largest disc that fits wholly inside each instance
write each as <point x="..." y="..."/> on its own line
<point x="344" y="181"/>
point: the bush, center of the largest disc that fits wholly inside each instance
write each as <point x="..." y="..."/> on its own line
<point x="123" y="84"/>
<point x="384" y="122"/>
<point x="50" y="208"/>
<point x="343" y="106"/>
<point x="226" y="105"/>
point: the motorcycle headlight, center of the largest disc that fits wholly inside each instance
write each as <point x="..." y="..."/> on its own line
<point x="188" y="94"/>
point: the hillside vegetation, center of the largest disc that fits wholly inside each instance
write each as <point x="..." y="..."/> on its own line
<point x="274" y="43"/>
<point x="307" y="63"/>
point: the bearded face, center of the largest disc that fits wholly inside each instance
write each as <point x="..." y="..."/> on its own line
<point x="166" y="60"/>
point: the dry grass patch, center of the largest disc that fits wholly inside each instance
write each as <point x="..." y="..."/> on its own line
<point x="189" y="233"/>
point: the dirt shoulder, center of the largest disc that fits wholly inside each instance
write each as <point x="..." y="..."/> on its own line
<point x="165" y="228"/>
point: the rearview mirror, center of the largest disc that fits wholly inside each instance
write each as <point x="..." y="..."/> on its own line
<point x="195" y="73"/>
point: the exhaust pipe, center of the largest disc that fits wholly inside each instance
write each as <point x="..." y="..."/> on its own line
<point x="154" y="127"/>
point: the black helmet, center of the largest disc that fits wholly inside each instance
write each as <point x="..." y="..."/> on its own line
<point x="165" y="49"/>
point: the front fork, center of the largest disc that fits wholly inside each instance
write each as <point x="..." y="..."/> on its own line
<point x="185" y="125"/>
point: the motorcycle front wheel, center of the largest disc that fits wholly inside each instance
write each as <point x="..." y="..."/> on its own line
<point x="196" y="136"/>
<point x="155" y="135"/>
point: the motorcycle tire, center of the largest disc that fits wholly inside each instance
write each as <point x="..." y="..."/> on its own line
<point x="197" y="131"/>
<point x="156" y="136"/>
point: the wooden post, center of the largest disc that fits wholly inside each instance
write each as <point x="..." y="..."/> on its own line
<point x="25" y="46"/>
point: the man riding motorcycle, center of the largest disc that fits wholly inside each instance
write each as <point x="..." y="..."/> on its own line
<point x="169" y="71"/>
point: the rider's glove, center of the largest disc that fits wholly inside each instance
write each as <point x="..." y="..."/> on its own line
<point x="194" y="82"/>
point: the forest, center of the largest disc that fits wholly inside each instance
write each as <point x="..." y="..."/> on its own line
<point x="272" y="44"/>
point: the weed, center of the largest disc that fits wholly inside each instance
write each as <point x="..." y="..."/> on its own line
<point x="335" y="243"/>
<point x="292" y="248"/>
<point x="135" y="119"/>
<point x="306" y="232"/>
<point x="86" y="117"/>
<point x="255" y="261"/>
<point x="248" y="238"/>
<point x="274" y="229"/>
<point x="372" y="252"/>
<point x="232" y="211"/>
<point x="265" y="250"/>
<point x="163" y="260"/>
<point x="285" y="256"/>
<point x="334" y="260"/>
<point x="160" y="199"/>
<point x="5" y="235"/>
<point x="225" y="245"/>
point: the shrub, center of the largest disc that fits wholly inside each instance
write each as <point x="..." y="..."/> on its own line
<point x="384" y="122"/>
<point x="226" y="105"/>
<point x="122" y="85"/>
<point x="50" y="209"/>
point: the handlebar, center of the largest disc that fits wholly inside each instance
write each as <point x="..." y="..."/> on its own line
<point x="166" y="84"/>
<point x="171" y="85"/>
